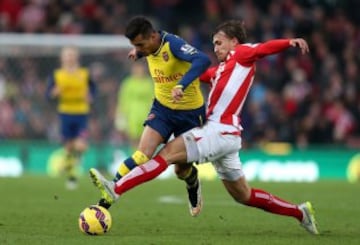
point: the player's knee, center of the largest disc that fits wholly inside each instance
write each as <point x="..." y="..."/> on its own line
<point x="239" y="190"/>
<point x="182" y="170"/>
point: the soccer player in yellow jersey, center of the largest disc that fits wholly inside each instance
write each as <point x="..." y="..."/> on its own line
<point x="74" y="91"/>
<point x="178" y="106"/>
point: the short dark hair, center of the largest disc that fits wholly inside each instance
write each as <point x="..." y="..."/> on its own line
<point x="233" y="28"/>
<point x="138" y="25"/>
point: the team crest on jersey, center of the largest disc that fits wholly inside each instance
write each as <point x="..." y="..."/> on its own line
<point x="165" y="56"/>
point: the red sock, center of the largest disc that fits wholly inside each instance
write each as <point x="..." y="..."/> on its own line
<point x="267" y="202"/>
<point x="141" y="174"/>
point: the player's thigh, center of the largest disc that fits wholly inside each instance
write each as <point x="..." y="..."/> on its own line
<point x="66" y="128"/>
<point x="149" y="141"/>
<point x="175" y="151"/>
<point x="211" y="142"/>
<point x="229" y="167"/>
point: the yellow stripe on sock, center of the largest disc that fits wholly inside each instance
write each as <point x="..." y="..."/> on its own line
<point x="123" y="170"/>
<point x="139" y="158"/>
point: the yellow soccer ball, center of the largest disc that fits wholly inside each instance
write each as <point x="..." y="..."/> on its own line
<point x="95" y="220"/>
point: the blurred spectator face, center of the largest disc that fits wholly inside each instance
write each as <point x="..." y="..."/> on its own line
<point x="146" y="44"/>
<point x="223" y="45"/>
<point x="69" y="57"/>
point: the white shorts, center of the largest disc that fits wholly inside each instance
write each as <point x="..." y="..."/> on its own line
<point x="216" y="143"/>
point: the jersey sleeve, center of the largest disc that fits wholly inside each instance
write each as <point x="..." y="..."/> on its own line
<point x="247" y="54"/>
<point x="207" y="75"/>
<point x="184" y="51"/>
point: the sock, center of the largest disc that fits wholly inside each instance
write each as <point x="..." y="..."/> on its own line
<point x="191" y="178"/>
<point x="141" y="174"/>
<point x="71" y="164"/>
<point x="103" y="203"/>
<point x="125" y="167"/>
<point x="267" y="202"/>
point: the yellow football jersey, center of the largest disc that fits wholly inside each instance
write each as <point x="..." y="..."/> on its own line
<point x="167" y="70"/>
<point x="74" y="91"/>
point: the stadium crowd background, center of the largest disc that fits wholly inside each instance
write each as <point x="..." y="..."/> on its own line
<point x="304" y="100"/>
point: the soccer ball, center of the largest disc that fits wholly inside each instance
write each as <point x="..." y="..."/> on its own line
<point x="95" y="220"/>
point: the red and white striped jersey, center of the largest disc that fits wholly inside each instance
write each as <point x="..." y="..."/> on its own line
<point x="231" y="80"/>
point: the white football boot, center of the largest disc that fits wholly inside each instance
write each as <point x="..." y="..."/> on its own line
<point x="195" y="199"/>
<point x="105" y="186"/>
<point x="308" y="222"/>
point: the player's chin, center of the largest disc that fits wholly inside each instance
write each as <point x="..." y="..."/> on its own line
<point x="220" y="58"/>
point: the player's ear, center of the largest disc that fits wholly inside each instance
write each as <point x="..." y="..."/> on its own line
<point x="153" y="35"/>
<point x="234" y="41"/>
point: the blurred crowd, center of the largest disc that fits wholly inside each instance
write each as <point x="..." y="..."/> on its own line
<point x="301" y="99"/>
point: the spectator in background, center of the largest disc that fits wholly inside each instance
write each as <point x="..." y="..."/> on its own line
<point x="135" y="97"/>
<point x="74" y="90"/>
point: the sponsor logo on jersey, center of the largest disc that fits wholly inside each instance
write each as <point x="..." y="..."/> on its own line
<point x="167" y="79"/>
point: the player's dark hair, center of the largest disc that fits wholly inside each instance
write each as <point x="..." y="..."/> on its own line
<point x="138" y="25"/>
<point x="233" y="29"/>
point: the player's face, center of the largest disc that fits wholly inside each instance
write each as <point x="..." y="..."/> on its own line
<point x="223" y="45"/>
<point x="69" y="56"/>
<point x="145" y="45"/>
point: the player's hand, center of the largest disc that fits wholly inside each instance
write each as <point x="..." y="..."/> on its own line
<point x="132" y="54"/>
<point x="177" y="93"/>
<point x="301" y="43"/>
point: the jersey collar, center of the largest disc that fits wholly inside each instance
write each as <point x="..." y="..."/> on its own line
<point x="162" y="36"/>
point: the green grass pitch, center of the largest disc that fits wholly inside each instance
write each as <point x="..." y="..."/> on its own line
<point x="39" y="210"/>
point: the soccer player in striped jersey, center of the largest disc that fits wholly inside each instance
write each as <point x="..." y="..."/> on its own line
<point x="175" y="67"/>
<point x="74" y="90"/>
<point x="219" y="140"/>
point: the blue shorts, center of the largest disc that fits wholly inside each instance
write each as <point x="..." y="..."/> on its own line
<point x="167" y="121"/>
<point x="73" y="126"/>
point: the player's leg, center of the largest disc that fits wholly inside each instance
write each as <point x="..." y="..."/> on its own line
<point x="68" y="136"/>
<point x="174" y="151"/>
<point x="149" y="141"/>
<point x="229" y="170"/>
<point x="237" y="186"/>
<point x="76" y="146"/>
<point x="185" y="121"/>
<point x="69" y="165"/>
<point x="148" y="144"/>
<point x="157" y="130"/>
<point x="258" y="198"/>
<point x="189" y="174"/>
